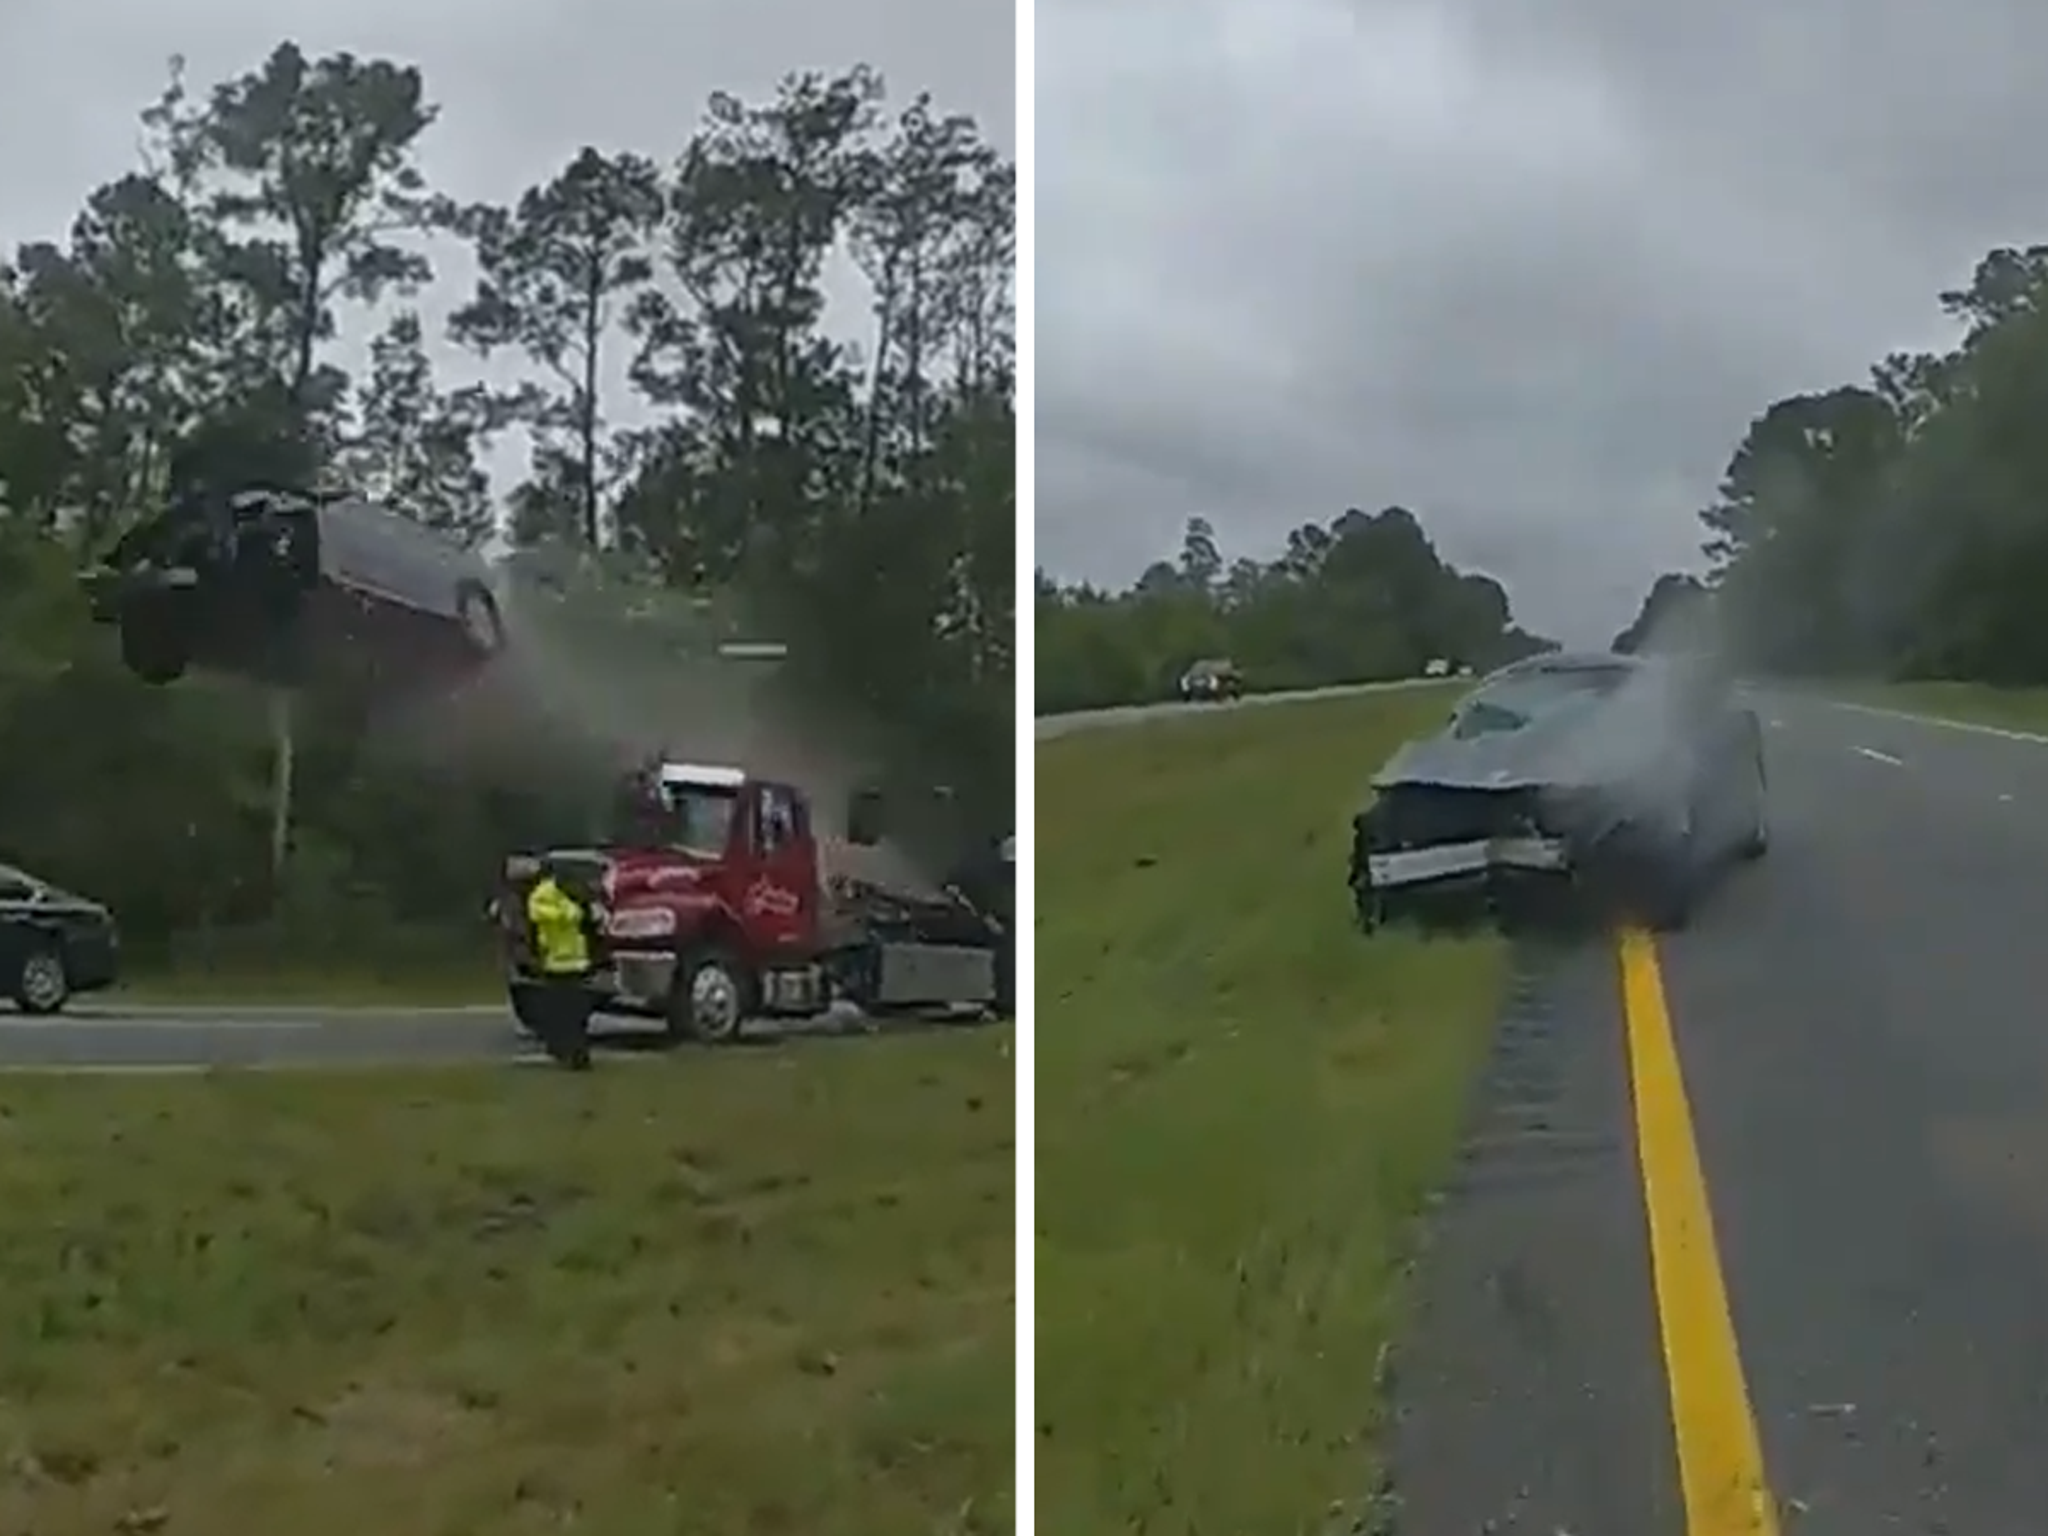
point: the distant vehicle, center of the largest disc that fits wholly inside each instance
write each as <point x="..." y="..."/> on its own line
<point x="265" y="581"/>
<point x="1436" y="667"/>
<point x="1210" y="680"/>
<point x="1621" y="776"/>
<point x="53" y="944"/>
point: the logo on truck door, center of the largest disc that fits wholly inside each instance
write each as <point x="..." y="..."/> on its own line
<point x="767" y="899"/>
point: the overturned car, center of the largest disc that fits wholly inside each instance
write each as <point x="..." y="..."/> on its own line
<point x="1613" y="782"/>
<point x="263" y="581"/>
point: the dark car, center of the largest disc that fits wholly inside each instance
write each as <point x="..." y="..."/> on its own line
<point x="264" y="581"/>
<point x="1214" y="679"/>
<point x="52" y="944"/>
<point x="1629" y="777"/>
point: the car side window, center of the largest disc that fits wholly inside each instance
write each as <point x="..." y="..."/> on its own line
<point x="13" y="888"/>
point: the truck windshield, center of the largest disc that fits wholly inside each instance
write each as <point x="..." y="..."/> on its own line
<point x="696" y="818"/>
<point x="700" y="818"/>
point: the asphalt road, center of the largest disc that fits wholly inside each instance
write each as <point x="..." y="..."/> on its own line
<point x="111" y="1038"/>
<point x="1846" y="1332"/>
<point x="92" y="1037"/>
<point x="1861" y="1065"/>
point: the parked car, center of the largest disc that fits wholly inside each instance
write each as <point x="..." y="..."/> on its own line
<point x="53" y="944"/>
<point x="264" y="581"/>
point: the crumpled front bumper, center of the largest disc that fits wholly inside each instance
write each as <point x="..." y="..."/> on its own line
<point x="1510" y="868"/>
<point x="1402" y="868"/>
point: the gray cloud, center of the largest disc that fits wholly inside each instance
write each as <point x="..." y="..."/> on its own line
<point x="1529" y="270"/>
<point x="522" y="84"/>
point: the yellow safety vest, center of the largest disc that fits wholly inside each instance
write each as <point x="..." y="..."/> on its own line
<point x="561" y="947"/>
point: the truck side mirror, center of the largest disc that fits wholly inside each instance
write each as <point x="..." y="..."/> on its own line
<point x="864" y="818"/>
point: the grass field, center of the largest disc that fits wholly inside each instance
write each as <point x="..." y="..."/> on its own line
<point x="2015" y="709"/>
<point x="746" y="1292"/>
<point x="1241" y="1104"/>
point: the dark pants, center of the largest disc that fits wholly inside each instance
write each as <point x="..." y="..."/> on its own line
<point x="557" y="1010"/>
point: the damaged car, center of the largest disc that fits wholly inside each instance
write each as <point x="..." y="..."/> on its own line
<point x="263" y="581"/>
<point x="1626" y="780"/>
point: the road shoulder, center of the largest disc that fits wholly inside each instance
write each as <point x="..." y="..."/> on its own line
<point x="1528" y="1393"/>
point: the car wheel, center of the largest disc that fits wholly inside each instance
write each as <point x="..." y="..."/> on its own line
<point x="481" y="624"/>
<point x="1673" y="879"/>
<point x="44" y="984"/>
<point x="710" y="1000"/>
<point x="1757" y="842"/>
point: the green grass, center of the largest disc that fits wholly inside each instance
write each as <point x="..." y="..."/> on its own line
<point x="745" y="1292"/>
<point x="1242" y="1103"/>
<point x="2016" y="709"/>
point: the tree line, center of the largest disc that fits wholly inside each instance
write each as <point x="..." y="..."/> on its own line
<point x="1364" y="598"/>
<point x="1897" y="526"/>
<point x="844" y="481"/>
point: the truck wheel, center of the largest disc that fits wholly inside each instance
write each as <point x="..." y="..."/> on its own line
<point x="43" y="985"/>
<point x="711" y="999"/>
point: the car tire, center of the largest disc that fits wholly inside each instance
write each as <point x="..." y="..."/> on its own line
<point x="1757" y="841"/>
<point x="710" y="998"/>
<point x="1673" y="880"/>
<point x="482" y="625"/>
<point x="43" y="984"/>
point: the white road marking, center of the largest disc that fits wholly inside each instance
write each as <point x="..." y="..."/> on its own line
<point x="154" y="1023"/>
<point x="104" y="1069"/>
<point x="1975" y="728"/>
<point x="269" y="1067"/>
<point x="1881" y="757"/>
<point x="241" y="1012"/>
<point x="1046" y="726"/>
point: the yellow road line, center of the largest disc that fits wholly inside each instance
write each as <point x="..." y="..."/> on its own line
<point x="1720" y="1461"/>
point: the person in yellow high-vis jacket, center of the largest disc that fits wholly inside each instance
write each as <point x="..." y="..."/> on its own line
<point x="563" y="937"/>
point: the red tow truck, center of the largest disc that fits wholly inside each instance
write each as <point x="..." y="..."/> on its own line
<point x="717" y="910"/>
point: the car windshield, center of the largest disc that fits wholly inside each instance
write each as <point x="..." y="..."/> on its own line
<point x="1513" y="702"/>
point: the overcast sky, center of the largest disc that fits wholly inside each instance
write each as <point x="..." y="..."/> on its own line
<point x="522" y="84"/>
<point x="1531" y="278"/>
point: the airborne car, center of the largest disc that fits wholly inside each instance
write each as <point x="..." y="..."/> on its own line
<point x="1628" y="777"/>
<point x="263" y="581"/>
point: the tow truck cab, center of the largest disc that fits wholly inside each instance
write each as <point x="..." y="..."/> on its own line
<point x="717" y="909"/>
